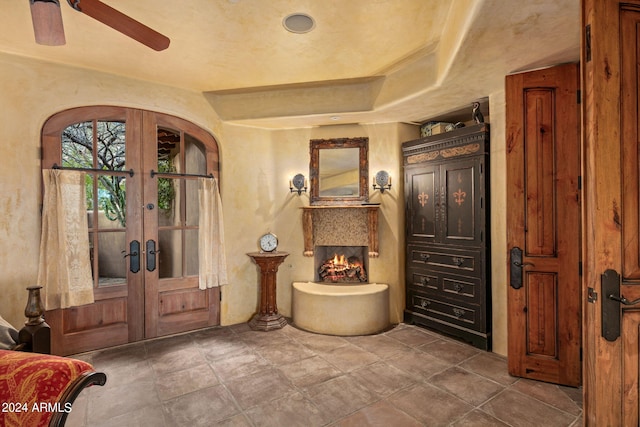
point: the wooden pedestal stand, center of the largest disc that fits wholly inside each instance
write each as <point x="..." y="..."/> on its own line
<point x="268" y="317"/>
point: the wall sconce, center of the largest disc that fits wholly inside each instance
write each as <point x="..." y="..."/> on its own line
<point x="382" y="181"/>
<point x="298" y="184"/>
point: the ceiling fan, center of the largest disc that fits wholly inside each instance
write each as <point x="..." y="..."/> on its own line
<point x="48" y="29"/>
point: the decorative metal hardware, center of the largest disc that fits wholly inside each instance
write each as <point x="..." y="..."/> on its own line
<point x="458" y="312"/>
<point x="424" y="257"/>
<point x="298" y="184"/>
<point x="179" y="175"/>
<point x="424" y="280"/>
<point x="458" y="261"/>
<point x="134" y="254"/>
<point x="151" y="255"/>
<point x="424" y="303"/>
<point x="610" y="281"/>
<point x="523" y="264"/>
<point x="130" y="172"/>
<point x="623" y="300"/>
<point x="382" y="181"/>
<point x="515" y="275"/>
<point x="458" y="287"/>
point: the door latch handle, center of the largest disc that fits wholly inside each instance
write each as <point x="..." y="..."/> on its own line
<point x="622" y="300"/>
<point x="515" y="273"/>
<point x="151" y="255"/>
<point x="523" y="264"/>
<point x="134" y="256"/>
<point x="610" y="283"/>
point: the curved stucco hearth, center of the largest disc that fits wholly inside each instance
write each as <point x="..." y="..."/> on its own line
<point x="343" y="310"/>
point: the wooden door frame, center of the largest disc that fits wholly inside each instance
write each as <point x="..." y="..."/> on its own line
<point x="602" y="196"/>
<point x="119" y="333"/>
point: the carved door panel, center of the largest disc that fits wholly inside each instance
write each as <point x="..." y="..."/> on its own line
<point x="424" y="203"/>
<point x="543" y="225"/>
<point x="611" y="134"/>
<point x="459" y="202"/>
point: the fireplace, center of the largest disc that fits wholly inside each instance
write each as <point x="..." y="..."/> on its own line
<point x="341" y="264"/>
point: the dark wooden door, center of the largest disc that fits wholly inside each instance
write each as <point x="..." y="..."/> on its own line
<point x="612" y="206"/>
<point x="462" y="202"/>
<point x="543" y="225"/>
<point x="143" y="226"/>
<point x="423" y="187"/>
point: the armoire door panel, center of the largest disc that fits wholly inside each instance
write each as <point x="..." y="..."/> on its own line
<point x="424" y="204"/>
<point x="461" y="207"/>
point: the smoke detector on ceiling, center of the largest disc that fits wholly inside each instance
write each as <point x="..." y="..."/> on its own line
<point x="298" y="23"/>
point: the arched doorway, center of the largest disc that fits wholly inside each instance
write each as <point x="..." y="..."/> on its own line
<point x="142" y="201"/>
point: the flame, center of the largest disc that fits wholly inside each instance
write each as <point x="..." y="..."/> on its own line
<point x="339" y="261"/>
<point x="342" y="268"/>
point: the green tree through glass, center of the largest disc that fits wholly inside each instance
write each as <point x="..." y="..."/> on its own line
<point x="107" y="153"/>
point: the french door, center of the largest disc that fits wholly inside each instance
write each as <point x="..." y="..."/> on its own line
<point x="142" y="199"/>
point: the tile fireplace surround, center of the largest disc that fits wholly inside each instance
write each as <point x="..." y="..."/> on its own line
<point x="355" y="225"/>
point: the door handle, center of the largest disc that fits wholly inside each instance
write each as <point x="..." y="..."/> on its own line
<point x="151" y="255"/>
<point x="523" y="264"/>
<point x="610" y="282"/>
<point x="516" y="266"/>
<point x="622" y="300"/>
<point x="134" y="256"/>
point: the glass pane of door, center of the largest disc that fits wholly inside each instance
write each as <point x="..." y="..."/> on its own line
<point x="99" y="146"/>
<point x="179" y="157"/>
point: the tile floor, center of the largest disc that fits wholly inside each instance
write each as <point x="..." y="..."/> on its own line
<point x="233" y="376"/>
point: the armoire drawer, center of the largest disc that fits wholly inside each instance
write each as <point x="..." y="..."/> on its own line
<point x="465" y="315"/>
<point x="464" y="288"/>
<point x="446" y="259"/>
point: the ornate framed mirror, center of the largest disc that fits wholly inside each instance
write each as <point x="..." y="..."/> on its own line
<point x="339" y="170"/>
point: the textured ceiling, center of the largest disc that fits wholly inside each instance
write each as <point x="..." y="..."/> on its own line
<point x="365" y="61"/>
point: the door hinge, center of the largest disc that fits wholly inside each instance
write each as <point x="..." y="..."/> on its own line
<point x="578" y="96"/>
<point x="220" y="294"/>
<point x="579" y="182"/>
<point x="587" y="43"/>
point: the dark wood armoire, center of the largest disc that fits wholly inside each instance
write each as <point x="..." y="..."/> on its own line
<point x="448" y="287"/>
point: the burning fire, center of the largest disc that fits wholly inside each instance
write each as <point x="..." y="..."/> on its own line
<point x="342" y="269"/>
<point x="340" y="262"/>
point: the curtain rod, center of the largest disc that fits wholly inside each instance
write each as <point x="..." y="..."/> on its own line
<point x="180" y="175"/>
<point x="107" y="171"/>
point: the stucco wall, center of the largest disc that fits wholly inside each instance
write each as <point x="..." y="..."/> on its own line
<point x="262" y="202"/>
<point x="256" y="166"/>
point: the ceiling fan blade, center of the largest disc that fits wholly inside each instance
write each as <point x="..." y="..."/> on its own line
<point x="47" y="22"/>
<point x="122" y="23"/>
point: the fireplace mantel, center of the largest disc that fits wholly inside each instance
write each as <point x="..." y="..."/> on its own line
<point x="353" y="225"/>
